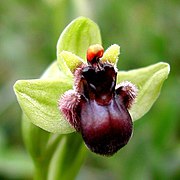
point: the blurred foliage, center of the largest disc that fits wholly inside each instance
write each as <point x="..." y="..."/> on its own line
<point x="148" y="32"/>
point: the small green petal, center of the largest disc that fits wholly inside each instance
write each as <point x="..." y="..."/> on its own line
<point x="39" y="102"/>
<point x="111" y="54"/>
<point x="149" y="81"/>
<point x="72" y="61"/>
<point x="76" y="38"/>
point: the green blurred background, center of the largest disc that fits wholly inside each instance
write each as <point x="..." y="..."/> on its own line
<point x="148" y="32"/>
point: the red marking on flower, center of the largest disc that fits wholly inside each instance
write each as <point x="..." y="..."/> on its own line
<point x="97" y="109"/>
<point x="94" y="52"/>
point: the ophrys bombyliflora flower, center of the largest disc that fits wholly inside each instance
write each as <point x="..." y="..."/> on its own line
<point x="97" y="107"/>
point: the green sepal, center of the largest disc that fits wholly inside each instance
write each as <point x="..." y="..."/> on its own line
<point x="149" y="81"/>
<point x="39" y="102"/>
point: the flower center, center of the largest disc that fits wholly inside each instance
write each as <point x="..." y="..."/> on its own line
<point x="99" y="77"/>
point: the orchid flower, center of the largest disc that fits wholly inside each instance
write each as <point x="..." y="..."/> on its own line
<point x="84" y="92"/>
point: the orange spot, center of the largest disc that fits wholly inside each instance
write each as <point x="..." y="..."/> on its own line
<point x="94" y="52"/>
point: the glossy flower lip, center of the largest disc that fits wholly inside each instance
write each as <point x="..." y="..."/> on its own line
<point x="97" y="109"/>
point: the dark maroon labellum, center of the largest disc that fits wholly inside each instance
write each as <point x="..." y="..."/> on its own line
<point x="97" y="109"/>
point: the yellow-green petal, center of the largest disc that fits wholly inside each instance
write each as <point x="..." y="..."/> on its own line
<point x="71" y="61"/>
<point x="111" y="54"/>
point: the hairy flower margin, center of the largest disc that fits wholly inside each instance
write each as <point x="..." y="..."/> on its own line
<point x="39" y="98"/>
